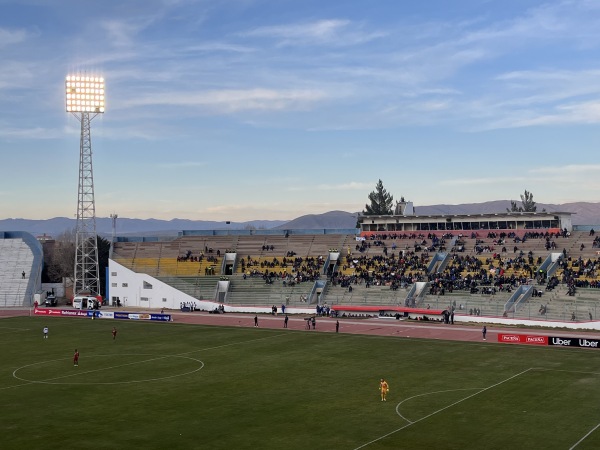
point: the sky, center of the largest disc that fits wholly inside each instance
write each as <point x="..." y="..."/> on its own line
<point x="272" y="109"/>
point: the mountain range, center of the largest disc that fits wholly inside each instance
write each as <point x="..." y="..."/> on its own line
<point x="584" y="213"/>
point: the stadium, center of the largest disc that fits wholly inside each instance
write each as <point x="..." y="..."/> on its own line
<point x="190" y="368"/>
<point x="507" y="268"/>
<point x="482" y="326"/>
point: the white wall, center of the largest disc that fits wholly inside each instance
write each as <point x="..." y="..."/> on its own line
<point x="129" y="289"/>
<point x="528" y="322"/>
<point x="131" y="294"/>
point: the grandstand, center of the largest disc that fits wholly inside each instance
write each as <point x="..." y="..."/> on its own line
<point x="20" y="268"/>
<point x="484" y="273"/>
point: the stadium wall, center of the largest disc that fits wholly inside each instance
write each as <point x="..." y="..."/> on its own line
<point x="528" y="322"/>
<point x="128" y="286"/>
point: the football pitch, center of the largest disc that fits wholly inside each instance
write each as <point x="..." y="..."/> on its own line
<point x="170" y="385"/>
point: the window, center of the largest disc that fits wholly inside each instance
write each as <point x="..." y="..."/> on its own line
<point x="164" y="300"/>
<point x="113" y="285"/>
<point x="144" y="299"/>
<point x="147" y="285"/>
<point x="124" y="285"/>
<point x="113" y="274"/>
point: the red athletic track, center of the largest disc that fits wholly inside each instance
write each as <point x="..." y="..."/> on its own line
<point x="372" y="326"/>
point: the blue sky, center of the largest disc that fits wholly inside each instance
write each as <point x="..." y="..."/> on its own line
<point x="271" y="109"/>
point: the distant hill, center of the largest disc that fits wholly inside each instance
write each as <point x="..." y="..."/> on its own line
<point x="130" y="227"/>
<point x="585" y="213"/>
<point x="332" y="219"/>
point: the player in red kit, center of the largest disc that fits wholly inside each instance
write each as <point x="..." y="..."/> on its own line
<point x="76" y="358"/>
<point x="114" y="333"/>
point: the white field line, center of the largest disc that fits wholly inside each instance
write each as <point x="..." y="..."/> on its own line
<point x="583" y="438"/>
<point x="442" y="409"/>
<point x="182" y="355"/>
<point x="574" y="371"/>
<point x="431" y="393"/>
<point x="233" y="343"/>
<point x="76" y="374"/>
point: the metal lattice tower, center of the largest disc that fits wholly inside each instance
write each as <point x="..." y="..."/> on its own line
<point x="85" y="100"/>
<point x="87" y="272"/>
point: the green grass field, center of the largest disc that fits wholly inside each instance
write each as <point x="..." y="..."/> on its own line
<point x="166" y="385"/>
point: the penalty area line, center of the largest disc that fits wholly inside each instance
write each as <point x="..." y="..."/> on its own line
<point x="442" y="409"/>
<point x="583" y="438"/>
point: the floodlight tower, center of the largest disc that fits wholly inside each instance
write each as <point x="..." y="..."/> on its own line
<point x="85" y="100"/>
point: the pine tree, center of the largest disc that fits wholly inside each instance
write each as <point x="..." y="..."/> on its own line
<point x="514" y="207"/>
<point x="528" y="205"/>
<point x="381" y="202"/>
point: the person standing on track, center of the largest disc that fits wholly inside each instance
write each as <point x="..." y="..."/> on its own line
<point x="484" y="332"/>
<point x="337" y="326"/>
<point x="384" y="388"/>
<point x="76" y="358"/>
<point x="255" y="320"/>
<point x="285" y="321"/>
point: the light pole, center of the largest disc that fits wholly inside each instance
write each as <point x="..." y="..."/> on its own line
<point x="113" y="217"/>
<point x="85" y="100"/>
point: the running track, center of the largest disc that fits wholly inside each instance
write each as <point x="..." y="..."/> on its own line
<point x="371" y="326"/>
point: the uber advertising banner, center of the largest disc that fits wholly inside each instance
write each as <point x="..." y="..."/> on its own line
<point x="522" y="339"/>
<point x="573" y="342"/>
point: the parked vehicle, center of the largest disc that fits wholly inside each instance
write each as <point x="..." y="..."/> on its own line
<point x="51" y="300"/>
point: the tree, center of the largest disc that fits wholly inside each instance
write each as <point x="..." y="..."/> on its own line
<point x="527" y="201"/>
<point x="60" y="262"/>
<point x="514" y="207"/>
<point x="528" y="205"/>
<point x="103" y="254"/>
<point x="381" y="202"/>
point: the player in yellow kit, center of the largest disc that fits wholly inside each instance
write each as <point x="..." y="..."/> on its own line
<point x="384" y="388"/>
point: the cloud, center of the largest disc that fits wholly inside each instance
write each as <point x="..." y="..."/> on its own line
<point x="326" y="31"/>
<point x="37" y="133"/>
<point x="232" y="100"/>
<point x="322" y="29"/>
<point x="571" y="169"/>
<point x="182" y="165"/>
<point x="580" y="113"/>
<point x="219" y="47"/>
<point x="352" y="186"/>
<point x="121" y="33"/>
<point x="11" y="37"/>
<point x="483" y="181"/>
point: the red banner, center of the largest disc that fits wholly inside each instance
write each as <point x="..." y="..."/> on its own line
<point x="47" y="312"/>
<point x="62" y="312"/>
<point x="522" y="339"/>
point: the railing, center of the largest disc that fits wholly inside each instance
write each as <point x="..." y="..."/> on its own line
<point x="12" y="300"/>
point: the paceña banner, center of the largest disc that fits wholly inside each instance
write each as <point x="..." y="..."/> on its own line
<point x="522" y="339"/>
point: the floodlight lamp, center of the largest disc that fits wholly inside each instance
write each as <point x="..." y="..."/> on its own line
<point x="84" y="94"/>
